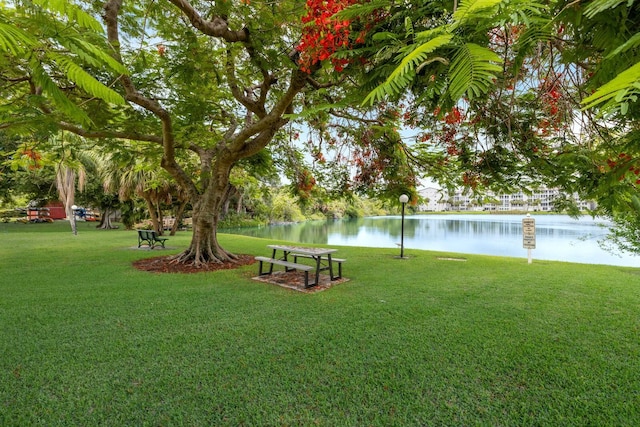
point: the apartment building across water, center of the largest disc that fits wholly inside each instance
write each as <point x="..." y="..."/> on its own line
<point x="542" y="200"/>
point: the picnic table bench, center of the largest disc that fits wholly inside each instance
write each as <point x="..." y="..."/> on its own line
<point x="151" y="238"/>
<point x="321" y="257"/>
<point x="288" y="266"/>
<point x="324" y="259"/>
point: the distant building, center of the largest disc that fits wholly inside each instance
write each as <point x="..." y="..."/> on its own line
<point x="434" y="200"/>
<point x="542" y="200"/>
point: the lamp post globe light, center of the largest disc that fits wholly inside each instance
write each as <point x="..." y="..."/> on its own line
<point x="403" y="199"/>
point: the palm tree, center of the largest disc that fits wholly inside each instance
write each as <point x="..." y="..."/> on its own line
<point x="70" y="166"/>
<point x="132" y="179"/>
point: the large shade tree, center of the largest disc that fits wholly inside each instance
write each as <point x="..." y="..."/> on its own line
<point x="204" y="83"/>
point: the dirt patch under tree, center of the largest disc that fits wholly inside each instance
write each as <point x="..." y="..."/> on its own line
<point x="164" y="264"/>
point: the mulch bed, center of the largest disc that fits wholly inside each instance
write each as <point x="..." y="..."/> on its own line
<point x="291" y="280"/>
<point x="164" y="264"/>
<point x="295" y="280"/>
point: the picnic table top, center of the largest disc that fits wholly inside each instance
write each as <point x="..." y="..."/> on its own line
<point x="304" y="250"/>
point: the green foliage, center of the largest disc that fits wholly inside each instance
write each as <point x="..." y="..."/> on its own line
<point x="284" y="208"/>
<point x="469" y="12"/>
<point x="56" y="95"/>
<point x="599" y="6"/>
<point x="618" y="93"/>
<point x="473" y="71"/>
<point x="445" y="46"/>
<point x="70" y="12"/>
<point x="404" y="74"/>
<point x="234" y="220"/>
<point x="15" y="41"/>
<point x="32" y="36"/>
<point x="621" y="50"/>
<point x="624" y="233"/>
<point x="77" y="74"/>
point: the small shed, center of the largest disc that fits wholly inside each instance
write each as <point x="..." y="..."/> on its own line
<point x="56" y="210"/>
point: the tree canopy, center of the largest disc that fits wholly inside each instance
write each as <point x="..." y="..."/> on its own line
<point x="479" y="93"/>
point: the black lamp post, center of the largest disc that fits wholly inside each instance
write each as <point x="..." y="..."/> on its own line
<point x="403" y="199"/>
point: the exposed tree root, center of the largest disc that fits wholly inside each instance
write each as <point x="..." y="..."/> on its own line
<point x="199" y="258"/>
<point x="164" y="264"/>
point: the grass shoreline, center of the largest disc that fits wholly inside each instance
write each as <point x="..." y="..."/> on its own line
<point x="89" y="340"/>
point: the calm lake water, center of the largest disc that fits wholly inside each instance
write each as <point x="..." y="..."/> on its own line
<point x="558" y="237"/>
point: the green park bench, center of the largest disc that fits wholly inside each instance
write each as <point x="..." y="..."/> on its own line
<point x="150" y="237"/>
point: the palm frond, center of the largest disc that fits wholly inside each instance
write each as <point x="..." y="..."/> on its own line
<point x="472" y="71"/>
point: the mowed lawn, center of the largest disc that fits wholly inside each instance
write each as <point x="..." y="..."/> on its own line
<point x="85" y="339"/>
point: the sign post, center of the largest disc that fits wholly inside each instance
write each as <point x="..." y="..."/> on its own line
<point x="529" y="235"/>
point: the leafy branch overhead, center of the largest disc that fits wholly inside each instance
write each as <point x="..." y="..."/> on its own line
<point x="403" y="75"/>
<point x="471" y="67"/>
<point x="27" y="35"/>
<point x="624" y="89"/>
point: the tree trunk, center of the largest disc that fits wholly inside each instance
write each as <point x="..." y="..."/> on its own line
<point x="66" y="184"/>
<point x="225" y="209"/>
<point x="160" y="229"/>
<point x="179" y="215"/>
<point x="105" y="220"/>
<point x="204" y="247"/>
<point x="157" y="227"/>
<point x="239" y="206"/>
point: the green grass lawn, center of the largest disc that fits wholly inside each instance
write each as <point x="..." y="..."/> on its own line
<point x="88" y="340"/>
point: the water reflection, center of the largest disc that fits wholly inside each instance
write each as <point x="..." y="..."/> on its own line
<point x="558" y="237"/>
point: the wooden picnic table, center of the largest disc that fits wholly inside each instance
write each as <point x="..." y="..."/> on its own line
<point x="321" y="257"/>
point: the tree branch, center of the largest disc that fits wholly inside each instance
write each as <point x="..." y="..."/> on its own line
<point x="112" y="10"/>
<point x="134" y="136"/>
<point x="254" y="138"/>
<point x="238" y="94"/>
<point x="217" y="27"/>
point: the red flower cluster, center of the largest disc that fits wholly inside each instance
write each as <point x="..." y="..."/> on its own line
<point x="624" y="161"/>
<point x="551" y="96"/>
<point x="306" y="183"/>
<point x="453" y="117"/>
<point x="470" y="179"/>
<point x="324" y="34"/>
<point x="35" y="156"/>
